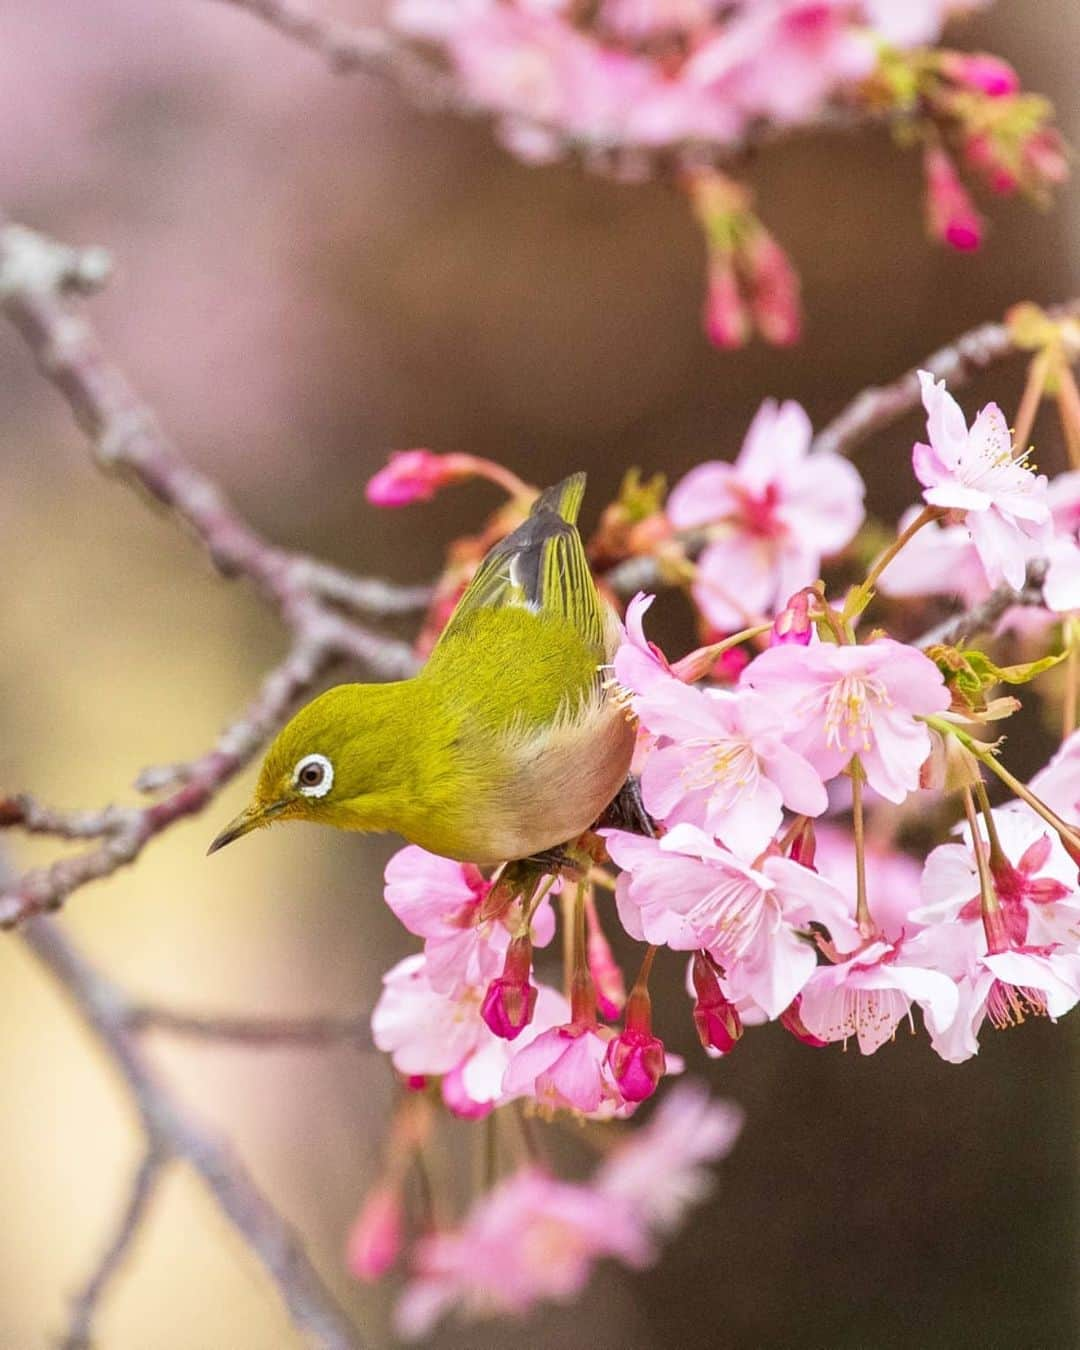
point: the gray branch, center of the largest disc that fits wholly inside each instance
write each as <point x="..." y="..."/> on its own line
<point x="173" y="1133"/>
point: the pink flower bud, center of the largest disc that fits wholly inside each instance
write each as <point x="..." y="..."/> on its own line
<point x="607" y="976"/>
<point x="457" y="1099"/>
<point x="375" y="1238"/>
<point x="637" y="1061"/>
<point x="982" y="155"/>
<point x="416" y="1082"/>
<point x="716" y="1018"/>
<point x="793" y="624"/>
<point x="950" y="213"/>
<point x="509" y="1002"/>
<point x="804" y="845"/>
<point x="415" y="476"/>
<point x="774" y="289"/>
<point x="791" y="1020"/>
<point x="1044" y="157"/>
<point x="982" y="72"/>
<point x="725" y="318"/>
<point x="635" y="1056"/>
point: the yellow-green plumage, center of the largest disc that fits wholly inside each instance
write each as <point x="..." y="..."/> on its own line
<point x="506" y="744"/>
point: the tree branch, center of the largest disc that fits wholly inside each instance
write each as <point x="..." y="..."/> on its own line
<point x="961" y="628"/>
<point x="38" y="277"/>
<point x="172" y="1133"/>
<point x="315" y="1032"/>
<point x="85" y="1305"/>
<point x="874" y="409"/>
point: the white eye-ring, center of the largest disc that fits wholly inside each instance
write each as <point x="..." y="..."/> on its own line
<point x="314" y="776"/>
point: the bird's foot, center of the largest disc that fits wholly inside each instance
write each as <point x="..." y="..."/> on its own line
<point x="627" y="812"/>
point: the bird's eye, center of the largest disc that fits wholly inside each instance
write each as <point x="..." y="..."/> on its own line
<point x="314" y="775"/>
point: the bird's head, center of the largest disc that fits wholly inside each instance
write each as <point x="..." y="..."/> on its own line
<point x="323" y="764"/>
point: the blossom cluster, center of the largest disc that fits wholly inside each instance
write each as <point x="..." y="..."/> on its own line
<point x="781" y="767"/>
<point x="625" y="80"/>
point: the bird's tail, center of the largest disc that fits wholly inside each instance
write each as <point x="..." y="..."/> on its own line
<point x="564" y="498"/>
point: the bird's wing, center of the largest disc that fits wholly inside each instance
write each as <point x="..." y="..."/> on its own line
<point x="541" y="566"/>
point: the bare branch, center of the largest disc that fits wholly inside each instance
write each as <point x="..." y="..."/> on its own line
<point x="872" y="411"/>
<point x="315" y="1032"/>
<point x="174" y="1133"/>
<point x="985" y="615"/>
<point x="85" y="1305"/>
<point x="875" y="409"/>
<point x="37" y="278"/>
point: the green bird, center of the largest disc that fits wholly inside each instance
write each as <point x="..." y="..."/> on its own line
<point x="508" y="744"/>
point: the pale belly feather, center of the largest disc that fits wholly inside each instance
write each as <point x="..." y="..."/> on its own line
<point x="553" y="787"/>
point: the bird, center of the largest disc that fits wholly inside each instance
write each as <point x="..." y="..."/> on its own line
<point x="510" y="742"/>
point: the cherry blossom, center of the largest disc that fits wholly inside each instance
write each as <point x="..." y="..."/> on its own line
<point x="658" y="1173"/>
<point x="974" y="472"/>
<point x="531" y="1238"/>
<point x="773" y="515"/>
<point x="939" y="559"/>
<point x="719" y="759"/>
<point x="686" y="892"/>
<point x="869" y="993"/>
<point x="855" y="700"/>
<point x="441" y="901"/>
<point x="565" y="1068"/>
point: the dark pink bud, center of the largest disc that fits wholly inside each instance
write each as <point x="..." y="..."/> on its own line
<point x="792" y="1021"/>
<point x="725" y="318"/>
<point x="982" y="72"/>
<point x="950" y="213"/>
<point x="415" y="476"/>
<point x="510" y="1000"/>
<point x="716" y="1018"/>
<point x="375" y="1238"/>
<point x="1044" y="158"/>
<point x="793" y="624"/>
<point x="804" y="845"/>
<point x="607" y="976"/>
<point x="983" y="156"/>
<point x="774" y="289"/>
<point x="637" y="1061"/>
<point x="416" y="1082"/>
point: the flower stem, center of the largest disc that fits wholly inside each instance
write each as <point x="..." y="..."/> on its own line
<point x="986" y="756"/>
<point x="863" y="917"/>
<point x="997" y="853"/>
<point x="498" y="474"/>
<point x="582" y="988"/>
<point x="1072" y="678"/>
<point x="860" y="596"/>
<point x="1034" y="388"/>
<point x="1069" y="410"/>
<point x="993" y="920"/>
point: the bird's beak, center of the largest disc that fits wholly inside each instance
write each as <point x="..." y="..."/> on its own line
<point x="251" y="818"/>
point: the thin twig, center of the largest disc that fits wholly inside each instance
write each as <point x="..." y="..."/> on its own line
<point x="85" y="1305"/>
<point x="981" y="618"/>
<point x="38" y="278"/>
<point x="319" y="1032"/>
<point x="174" y="1133"/>
<point x="877" y="408"/>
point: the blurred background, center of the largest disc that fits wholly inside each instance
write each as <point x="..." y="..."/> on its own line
<point x="308" y="273"/>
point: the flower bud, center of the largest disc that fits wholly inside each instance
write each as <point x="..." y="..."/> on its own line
<point x="716" y="1018"/>
<point x="1044" y="158"/>
<point x="375" y="1238"/>
<point x="637" y="1062"/>
<point x="635" y="1056"/>
<point x="950" y="213"/>
<point x="986" y="74"/>
<point x="982" y="155"/>
<point x="607" y="976"/>
<point x="509" y="1002"/>
<point x="791" y="1020"/>
<point x="415" y="476"/>
<point x="803" y="848"/>
<point x="774" y="289"/>
<point x="793" y="624"/>
<point x="725" y="318"/>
